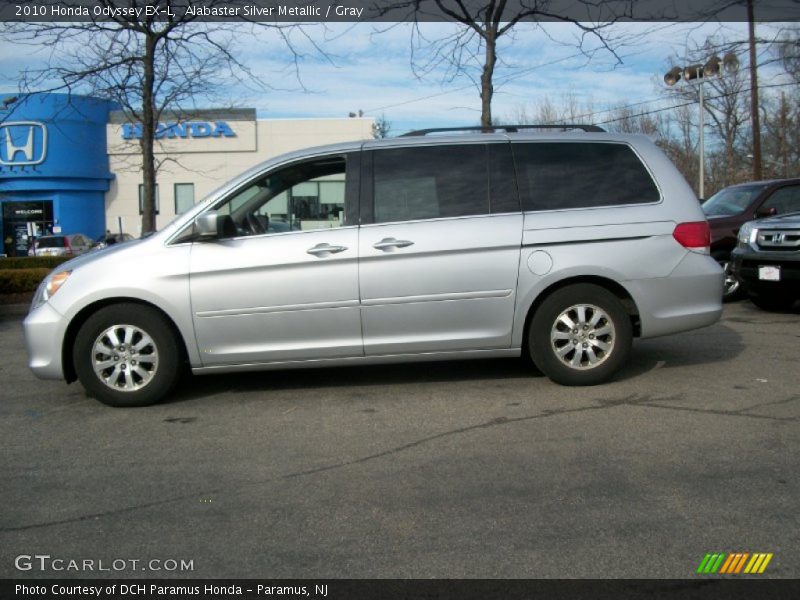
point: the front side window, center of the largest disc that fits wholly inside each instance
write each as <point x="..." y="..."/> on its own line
<point x="430" y="182"/>
<point x="561" y="175"/>
<point x="784" y="200"/>
<point x="301" y="197"/>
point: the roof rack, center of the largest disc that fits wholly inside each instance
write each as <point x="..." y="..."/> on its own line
<point x="506" y="128"/>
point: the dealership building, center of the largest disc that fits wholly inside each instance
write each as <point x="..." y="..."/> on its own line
<point x="72" y="164"/>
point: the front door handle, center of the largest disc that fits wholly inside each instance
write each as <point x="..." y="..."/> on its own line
<point x="391" y="243"/>
<point x="323" y="250"/>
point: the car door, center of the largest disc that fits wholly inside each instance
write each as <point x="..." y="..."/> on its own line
<point x="437" y="260"/>
<point x="281" y="282"/>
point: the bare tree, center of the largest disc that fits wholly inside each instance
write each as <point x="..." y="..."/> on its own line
<point x="145" y="64"/>
<point x="567" y="109"/>
<point x="679" y="144"/>
<point x="787" y="49"/>
<point x="381" y="127"/>
<point x="625" y="119"/>
<point x="482" y="25"/>
<point x="781" y="117"/>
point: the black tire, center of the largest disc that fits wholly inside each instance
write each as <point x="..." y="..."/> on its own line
<point x="773" y="301"/>
<point x="597" y="302"/>
<point x="147" y="360"/>
<point x="732" y="289"/>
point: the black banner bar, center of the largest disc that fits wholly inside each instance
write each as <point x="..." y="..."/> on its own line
<point x="316" y="11"/>
<point x="701" y="588"/>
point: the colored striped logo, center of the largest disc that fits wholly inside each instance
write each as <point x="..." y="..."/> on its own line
<point x="735" y="563"/>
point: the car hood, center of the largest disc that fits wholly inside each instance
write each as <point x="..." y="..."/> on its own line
<point x="95" y="255"/>
<point x="780" y="221"/>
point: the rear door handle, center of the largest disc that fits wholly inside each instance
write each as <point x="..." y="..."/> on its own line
<point x="323" y="250"/>
<point x="391" y="243"/>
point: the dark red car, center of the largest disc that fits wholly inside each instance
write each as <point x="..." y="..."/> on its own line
<point x="730" y="208"/>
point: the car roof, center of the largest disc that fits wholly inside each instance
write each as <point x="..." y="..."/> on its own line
<point x="765" y="182"/>
<point x="475" y="138"/>
<point x="454" y="138"/>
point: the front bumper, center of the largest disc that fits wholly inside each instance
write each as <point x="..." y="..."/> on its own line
<point x="747" y="261"/>
<point x="44" y="333"/>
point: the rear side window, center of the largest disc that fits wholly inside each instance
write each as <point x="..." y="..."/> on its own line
<point x="564" y="175"/>
<point x="442" y="182"/>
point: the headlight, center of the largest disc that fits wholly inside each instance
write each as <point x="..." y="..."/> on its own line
<point x="746" y="234"/>
<point x="47" y="289"/>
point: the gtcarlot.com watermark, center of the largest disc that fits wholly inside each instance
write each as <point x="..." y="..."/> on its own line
<point x="47" y="563"/>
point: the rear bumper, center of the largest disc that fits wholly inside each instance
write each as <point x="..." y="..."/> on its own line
<point x="689" y="298"/>
<point x="44" y="331"/>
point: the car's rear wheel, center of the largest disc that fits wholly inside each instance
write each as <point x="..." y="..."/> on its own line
<point x="773" y="301"/>
<point x="580" y="335"/>
<point x="127" y="355"/>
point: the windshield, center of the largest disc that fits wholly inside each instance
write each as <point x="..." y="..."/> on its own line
<point x="731" y="201"/>
<point x="50" y="242"/>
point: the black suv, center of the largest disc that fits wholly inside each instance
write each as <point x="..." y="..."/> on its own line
<point x="767" y="261"/>
<point x="730" y="208"/>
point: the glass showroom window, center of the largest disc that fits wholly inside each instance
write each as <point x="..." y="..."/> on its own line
<point x="184" y="197"/>
<point x="141" y="199"/>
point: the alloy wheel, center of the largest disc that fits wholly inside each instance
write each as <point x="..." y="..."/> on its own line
<point x="583" y="336"/>
<point x="125" y="357"/>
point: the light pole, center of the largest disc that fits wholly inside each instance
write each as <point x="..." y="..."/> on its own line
<point x="696" y="74"/>
<point x="754" y="118"/>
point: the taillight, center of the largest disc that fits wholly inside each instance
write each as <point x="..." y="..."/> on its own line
<point x="67" y="245"/>
<point x="694" y="236"/>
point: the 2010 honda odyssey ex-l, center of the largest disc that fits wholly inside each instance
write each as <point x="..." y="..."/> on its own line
<point x="563" y="245"/>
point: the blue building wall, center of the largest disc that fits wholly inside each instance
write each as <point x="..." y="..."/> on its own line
<point x="53" y="148"/>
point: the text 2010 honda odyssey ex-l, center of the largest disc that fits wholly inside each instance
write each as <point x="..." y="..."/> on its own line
<point x="563" y="245"/>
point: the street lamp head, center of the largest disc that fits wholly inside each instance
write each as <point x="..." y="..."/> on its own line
<point x="693" y="72"/>
<point x="711" y="67"/>
<point x="673" y="76"/>
<point x="730" y="63"/>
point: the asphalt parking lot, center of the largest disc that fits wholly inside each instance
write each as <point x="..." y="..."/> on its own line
<point x="447" y="470"/>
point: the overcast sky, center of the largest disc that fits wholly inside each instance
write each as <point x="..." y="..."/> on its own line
<point x="368" y="67"/>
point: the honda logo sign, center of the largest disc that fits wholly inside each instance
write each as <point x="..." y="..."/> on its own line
<point x="22" y="143"/>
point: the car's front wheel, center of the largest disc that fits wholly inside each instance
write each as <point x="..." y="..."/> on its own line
<point x="127" y="355"/>
<point x="580" y="335"/>
<point x="732" y="289"/>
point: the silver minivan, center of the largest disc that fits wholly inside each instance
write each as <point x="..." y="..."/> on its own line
<point x="561" y="245"/>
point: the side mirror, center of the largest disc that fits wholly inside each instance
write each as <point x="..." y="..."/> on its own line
<point x="206" y="225"/>
<point x="766" y="212"/>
